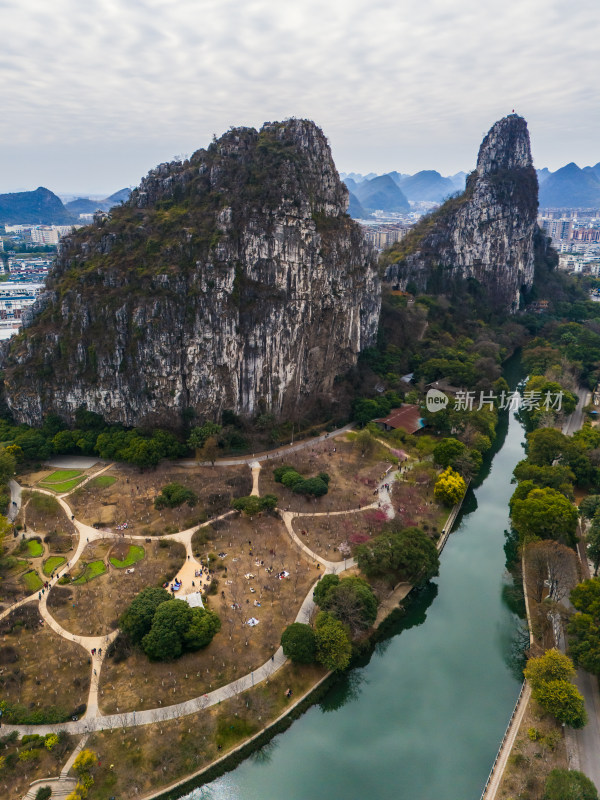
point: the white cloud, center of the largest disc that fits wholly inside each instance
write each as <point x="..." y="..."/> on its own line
<point x="395" y="85"/>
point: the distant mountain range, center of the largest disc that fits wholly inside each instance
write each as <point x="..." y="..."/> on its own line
<point x="395" y="190"/>
<point x="43" y="207"/>
<point x="40" y="207"/>
<point x="83" y="205"/>
<point x="570" y="187"/>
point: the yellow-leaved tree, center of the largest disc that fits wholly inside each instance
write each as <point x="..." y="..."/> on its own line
<point x="450" y="487"/>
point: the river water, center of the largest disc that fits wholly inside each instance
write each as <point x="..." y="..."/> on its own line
<point x="423" y="719"/>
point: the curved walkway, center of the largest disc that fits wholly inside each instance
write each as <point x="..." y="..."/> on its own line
<point x="93" y="720"/>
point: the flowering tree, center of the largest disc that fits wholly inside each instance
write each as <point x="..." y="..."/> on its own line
<point x="450" y="487"/>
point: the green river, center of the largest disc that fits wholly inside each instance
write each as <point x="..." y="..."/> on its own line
<point x="423" y="719"/>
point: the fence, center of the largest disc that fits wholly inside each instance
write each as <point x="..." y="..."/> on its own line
<point x="506" y="732"/>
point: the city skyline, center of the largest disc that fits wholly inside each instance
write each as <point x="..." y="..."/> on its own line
<point x="95" y="96"/>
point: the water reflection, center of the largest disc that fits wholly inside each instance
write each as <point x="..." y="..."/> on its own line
<point x="344" y="691"/>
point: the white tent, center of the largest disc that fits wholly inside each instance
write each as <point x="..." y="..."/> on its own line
<point x="194" y="600"/>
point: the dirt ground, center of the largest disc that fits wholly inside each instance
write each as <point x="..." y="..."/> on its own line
<point x="531" y="761"/>
<point x="353" y="478"/>
<point x="42" y="514"/>
<point x="156" y="755"/>
<point x="93" y="608"/>
<point x="324" y="535"/>
<point x="238" y="648"/>
<point x="414" y="502"/>
<point x="130" y="500"/>
<point x="61" y="679"/>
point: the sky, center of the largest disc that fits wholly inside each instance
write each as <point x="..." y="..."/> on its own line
<point x="95" y="94"/>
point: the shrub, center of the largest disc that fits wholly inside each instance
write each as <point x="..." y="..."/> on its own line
<point x="43" y="793"/>
<point x="173" y="495"/>
<point x="569" y="784"/>
<point x="279" y="472"/>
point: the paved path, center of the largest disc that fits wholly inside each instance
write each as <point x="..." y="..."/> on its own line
<point x="575" y="420"/>
<point x="271" y="454"/>
<point x="93" y="720"/>
<point x="15" y="500"/>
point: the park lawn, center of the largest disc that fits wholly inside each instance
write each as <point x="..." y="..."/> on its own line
<point x="35" y="548"/>
<point x="62" y="475"/>
<point x="61" y="488"/>
<point x="92" y="570"/>
<point x="32" y="581"/>
<point x="134" y="554"/>
<point x="102" y="482"/>
<point x="52" y="563"/>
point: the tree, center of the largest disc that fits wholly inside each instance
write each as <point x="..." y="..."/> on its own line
<point x="365" y="443"/>
<point x="593" y="542"/>
<point x="350" y="600"/>
<point x="447" y="451"/>
<point x="584" y="642"/>
<point x="333" y="648"/>
<point x="550" y="565"/>
<point x="137" y="619"/>
<point x="407" y="555"/>
<point x="552" y="666"/>
<point x="202" y="628"/>
<point x="324" y="589"/>
<point x="299" y="643"/>
<point x="291" y="478"/>
<point x="314" y="487"/>
<point x="589" y="506"/>
<point x="450" y="487"/>
<point x="584" y="627"/>
<point x="210" y="450"/>
<point x="545" y="514"/>
<point x="35" y="447"/>
<point x="164" y="641"/>
<point x="546" y="445"/>
<point x="569" y="784"/>
<point x="201" y="433"/>
<point x="559" y="477"/>
<point x="354" y="604"/>
<point x="175" y="494"/>
<point x="253" y="505"/>
<point x="563" y="701"/>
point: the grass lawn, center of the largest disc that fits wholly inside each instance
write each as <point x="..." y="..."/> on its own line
<point x="61" y="488"/>
<point x="52" y="563"/>
<point x="91" y="571"/>
<point x="62" y="475"/>
<point x="102" y="481"/>
<point x="32" y="581"/>
<point x="134" y="554"/>
<point x="34" y="548"/>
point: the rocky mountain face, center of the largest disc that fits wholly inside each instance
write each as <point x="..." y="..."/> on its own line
<point x="486" y="234"/>
<point x="234" y="280"/>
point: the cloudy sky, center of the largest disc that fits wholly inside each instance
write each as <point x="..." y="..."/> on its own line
<point x="96" y="93"/>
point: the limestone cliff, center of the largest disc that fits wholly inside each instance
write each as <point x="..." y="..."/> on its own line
<point x="234" y="280"/>
<point x="485" y="234"/>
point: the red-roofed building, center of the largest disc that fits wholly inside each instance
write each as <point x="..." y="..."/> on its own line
<point x="407" y="417"/>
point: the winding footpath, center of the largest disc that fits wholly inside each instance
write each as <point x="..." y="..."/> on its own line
<point x="93" y="719"/>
